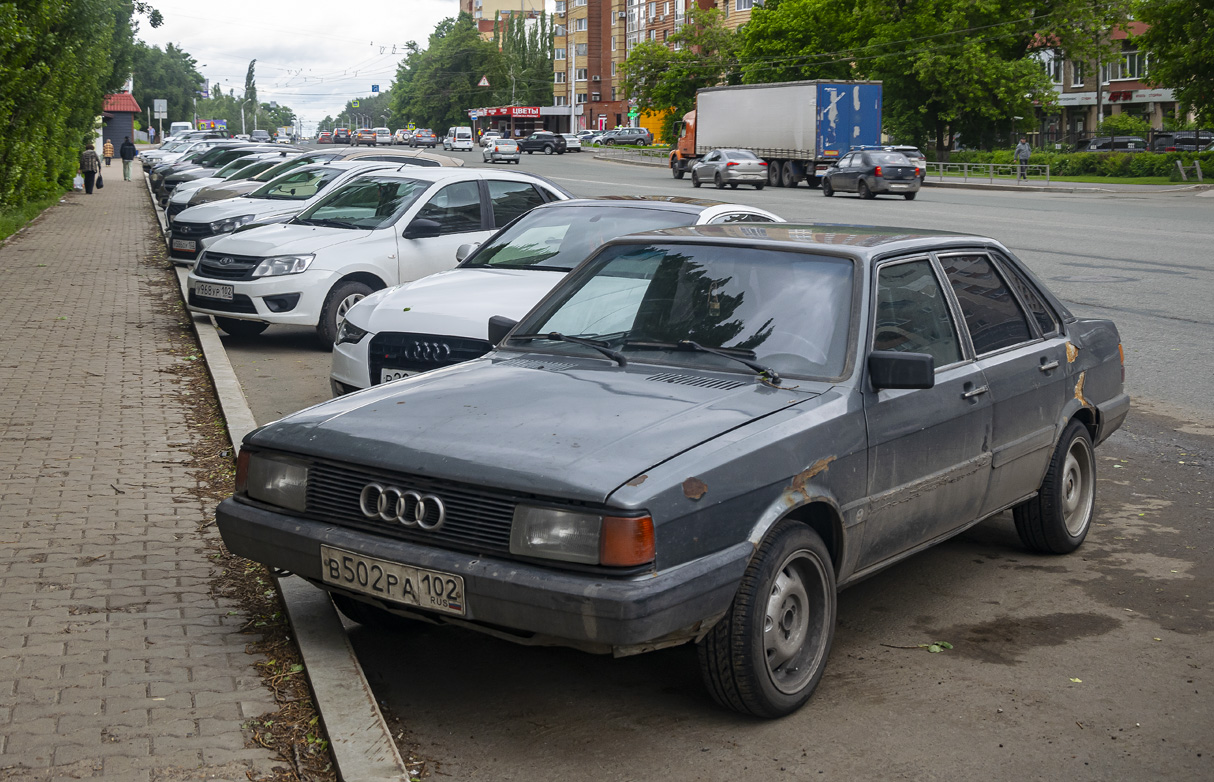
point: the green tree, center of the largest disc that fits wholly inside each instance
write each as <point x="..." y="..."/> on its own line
<point x="526" y="53"/>
<point x="436" y="86"/>
<point x="666" y="76"/>
<point x="170" y="75"/>
<point x="791" y="41"/>
<point x="1180" y="45"/>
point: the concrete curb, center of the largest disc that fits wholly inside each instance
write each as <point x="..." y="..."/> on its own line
<point x="358" y="734"/>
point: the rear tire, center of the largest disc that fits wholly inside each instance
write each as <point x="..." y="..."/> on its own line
<point x="768" y="653"/>
<point x="909" y="196"/>
<point x="760" y="185"/>
<point x="241" y="328"/>
<point x="1057" y="520"/>
<point x="341" y="298"/>
<point x="863" y="191"/>
<point x="788" y="174"/>
<point x="773" y="174"/>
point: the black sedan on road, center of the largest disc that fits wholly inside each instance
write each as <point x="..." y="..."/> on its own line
<point x="698" y="436"/>
<point x="871" y="172"/>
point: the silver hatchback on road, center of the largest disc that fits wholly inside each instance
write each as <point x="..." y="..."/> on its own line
<point x="731" y="167"/>
<point x="501" y="150"/>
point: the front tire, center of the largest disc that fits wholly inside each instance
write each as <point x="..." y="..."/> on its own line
<point x="827" y="190"/>
<point x="241" y="328"/>
<point x="768" y="653"/>
<point x="695" y="180"/>
<point x="341" y="298"/>
<point x="676" y="170"/>
<point x="1057" y="520"/>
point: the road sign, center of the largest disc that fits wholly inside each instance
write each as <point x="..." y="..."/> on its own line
<point x="484" y="82"/>
<point x="354" y="103"/>
<point x="160" y="108"/>
<point x="472" y="114"/>
<point x="374" y="88"/>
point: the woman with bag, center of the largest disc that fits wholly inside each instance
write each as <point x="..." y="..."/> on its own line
<point x="90" y="164"/>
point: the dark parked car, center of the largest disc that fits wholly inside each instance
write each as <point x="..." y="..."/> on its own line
<point x="1112" y="144"/>
<point x="1182" y="141"/>
<point x="341" y="136"/>
<point x="543" y="141"/>
<point x="870" y="172"/>
<point x="423" y="138"/>
<point x="261" y="136"/>
<point x="699" y="435"/>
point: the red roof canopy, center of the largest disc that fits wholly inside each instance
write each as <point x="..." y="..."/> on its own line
<point x="121" y="101"/>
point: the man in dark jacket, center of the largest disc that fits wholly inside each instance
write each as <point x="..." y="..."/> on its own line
<point x="127" y="152"/>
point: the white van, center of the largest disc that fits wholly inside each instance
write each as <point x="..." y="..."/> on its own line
<point x="458" y="138"/>
<point x="179" y="127"/>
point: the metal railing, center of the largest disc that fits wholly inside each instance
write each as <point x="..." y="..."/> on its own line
<point x="991" y="172"/>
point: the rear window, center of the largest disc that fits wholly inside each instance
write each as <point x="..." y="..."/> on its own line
<point x="888" y="159"/>
<point x="741" y="154"/>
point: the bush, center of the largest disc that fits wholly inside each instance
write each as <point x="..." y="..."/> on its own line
<point x="1109" y="164"/>
<point x="1124" y="125"/>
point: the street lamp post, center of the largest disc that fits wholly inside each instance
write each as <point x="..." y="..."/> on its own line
<point x="242" y="130"/>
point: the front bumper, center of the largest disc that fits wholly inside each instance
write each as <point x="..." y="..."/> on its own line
<point x="522" y="597"/>
<point x="351" y="367"/>
<point x="249" y="297"/>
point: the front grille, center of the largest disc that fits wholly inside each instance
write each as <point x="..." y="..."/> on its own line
<point x="477" y="520"/>
<point x="224" y="266"/>
<point x="176" y="208"/>
<point x="420" y="352"/>
<point x="239" y="303"/>
<point x="190" y="230"/>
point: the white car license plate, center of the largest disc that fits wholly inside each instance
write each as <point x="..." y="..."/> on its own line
<point x="392" y="581"/>
<point x="183" y="244"/>
<point x="898" y="187"/>
<point x="388" y="375"/>
<point x="211" y="291"/>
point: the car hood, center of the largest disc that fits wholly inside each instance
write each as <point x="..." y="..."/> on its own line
<point x="186" y="189"/>
<point x="556" y="426"/>
<point x="458" y="302"/>
<point x="234" y="207"/>
<point x="282" y="239"/>
<point x="228" y="190"/>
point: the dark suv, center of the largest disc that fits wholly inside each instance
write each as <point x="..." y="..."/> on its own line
<point x="1181" y="141"/>
<point x="341" y="136"/>
<point x="543" y="141"/>
<point x="1112" y="144"/>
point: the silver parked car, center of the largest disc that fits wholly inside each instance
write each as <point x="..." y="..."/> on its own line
<point x="501" y="150"/>
<point x="731" y="167"/>
<point x="699" y="436"/>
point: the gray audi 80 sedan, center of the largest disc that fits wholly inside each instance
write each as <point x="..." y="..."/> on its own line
<point x="699" y="435"/>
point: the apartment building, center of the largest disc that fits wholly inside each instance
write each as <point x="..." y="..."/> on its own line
<point x="1120" y="82"/>
<point x="588" y="49"/>
<point x="489" y="9"/>
<point x="736" y="12"/>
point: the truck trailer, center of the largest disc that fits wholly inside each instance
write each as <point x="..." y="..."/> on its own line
<point x="798" y="127"/>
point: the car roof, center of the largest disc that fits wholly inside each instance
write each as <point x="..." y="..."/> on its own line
<point x="863" y="242"/>
<point x="683" y="204"/>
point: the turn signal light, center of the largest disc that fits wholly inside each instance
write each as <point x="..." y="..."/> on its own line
<point x="877" y="172"/>
<point x="916" y="171"/>
<point x="625" y="542"/>
<point x="1121" y="355"/>
<point x="242" y="471"/>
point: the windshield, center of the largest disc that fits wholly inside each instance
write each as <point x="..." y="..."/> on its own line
<point x="367" y="202"/>
<point x="250" y="170"/>
<point x="232" y="167"/>
<point x="561" y="237"/>
<point x="297" y="185"/>
<point x="282" y="168"/>
<point x="785" y="310"/>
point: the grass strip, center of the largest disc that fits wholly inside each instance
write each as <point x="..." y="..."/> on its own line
<point x="13" y="220"/>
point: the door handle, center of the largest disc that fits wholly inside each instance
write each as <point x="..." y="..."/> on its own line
<point x="1049" y="366"/>
<point x="979" y="391"/>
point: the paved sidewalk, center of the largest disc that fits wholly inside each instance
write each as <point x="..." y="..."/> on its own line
<point x="116" y="662"/>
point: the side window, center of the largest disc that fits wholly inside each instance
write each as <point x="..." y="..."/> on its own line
<point x="994" y="318"/>
<point x="1046" y="321"/>
<point x="456" y="208"/>
<point x="739" y="217"/>
<point x="511" y="199"/>
<point x="912" y="314"/>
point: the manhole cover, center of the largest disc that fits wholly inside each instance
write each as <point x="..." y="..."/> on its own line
<point x="1094" y="278"/>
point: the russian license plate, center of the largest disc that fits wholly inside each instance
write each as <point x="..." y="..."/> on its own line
<point x="896" y="186"/>
<point x="212" y="291"/>
<point x="388" y="375"/>
<point x="184" y="244"/>
<point x="398" y="583"/>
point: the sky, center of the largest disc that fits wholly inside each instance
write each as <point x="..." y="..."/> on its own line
<point x="311" y="55"/>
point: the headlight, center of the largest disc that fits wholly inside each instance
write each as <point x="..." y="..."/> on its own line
<point x="277" y="480"/>
<point x="586" y="538"/>
<point x="348" y="332"/>
<point x="230" y="224"/>
<point x="283" y="264"/>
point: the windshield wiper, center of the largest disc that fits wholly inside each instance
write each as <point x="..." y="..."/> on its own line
<point x="688" y="345"/>
<point x="601" y="347"/>
<point x="331" y="223"/>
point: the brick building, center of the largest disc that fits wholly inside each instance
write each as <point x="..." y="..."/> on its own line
<point x="588" y="48"/>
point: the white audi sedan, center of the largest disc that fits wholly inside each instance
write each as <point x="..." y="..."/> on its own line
<point x="377" y="230"/>
<point x="443" y="319"/>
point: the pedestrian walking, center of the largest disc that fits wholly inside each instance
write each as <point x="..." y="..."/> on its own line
<point x="127" y="152"/>
<point x="90" y="164"/>
<point x="107" y="151"/>
<point x="1022" y="154"/>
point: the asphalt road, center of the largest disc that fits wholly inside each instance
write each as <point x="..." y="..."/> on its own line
<point x="1093" y="666"/>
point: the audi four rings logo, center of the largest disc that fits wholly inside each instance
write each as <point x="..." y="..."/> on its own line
<point x="427" y="351"/>
<point x="410" y="508"/>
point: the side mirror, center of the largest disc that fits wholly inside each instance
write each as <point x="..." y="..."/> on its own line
<point x="422" y="228"/>
<point x="464" y="250"/>
<point x="891" y="369"/>
<point x="499" y="327"/>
